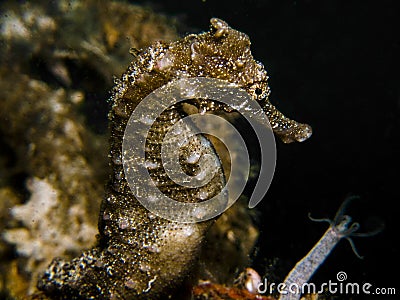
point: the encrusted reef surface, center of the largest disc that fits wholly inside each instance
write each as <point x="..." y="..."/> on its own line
<point x="57" y="64"/>
<point x="55" y="166"/>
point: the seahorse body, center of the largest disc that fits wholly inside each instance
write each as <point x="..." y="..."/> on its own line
<point x="140" y="255"/>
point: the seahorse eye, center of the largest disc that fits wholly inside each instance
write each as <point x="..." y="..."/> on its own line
<point x="258" y="90"/>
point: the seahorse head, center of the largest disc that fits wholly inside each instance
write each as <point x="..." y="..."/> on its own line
<point x="224" y="53"/>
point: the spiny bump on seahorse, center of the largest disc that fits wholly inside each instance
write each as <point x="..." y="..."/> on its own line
<point x="140" y="255"/>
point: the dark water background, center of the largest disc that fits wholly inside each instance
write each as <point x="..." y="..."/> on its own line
<point x="336" y="66"/>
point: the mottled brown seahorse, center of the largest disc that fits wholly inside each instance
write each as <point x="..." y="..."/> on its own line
<point x="140" y="255"/>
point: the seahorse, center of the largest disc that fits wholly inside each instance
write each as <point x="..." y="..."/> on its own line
<point x="140" y="255"/>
